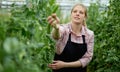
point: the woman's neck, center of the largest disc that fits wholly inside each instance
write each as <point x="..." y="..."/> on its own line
<point x="76" y="28"/>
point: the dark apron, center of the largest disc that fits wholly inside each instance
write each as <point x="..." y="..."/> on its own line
<point x="72" y="52"/>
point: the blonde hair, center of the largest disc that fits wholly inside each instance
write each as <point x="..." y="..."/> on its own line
<point x="85" y="10"/>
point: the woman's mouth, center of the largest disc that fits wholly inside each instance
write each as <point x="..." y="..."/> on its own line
<point x="77" y="18"/>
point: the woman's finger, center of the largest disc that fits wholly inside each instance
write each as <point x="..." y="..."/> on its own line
<point x="56" y="18"/>
<point x="51" y="21"/>
<point x="55" y="61"/>
<point x="53" y="66"/>
<point x="49" y="18"/>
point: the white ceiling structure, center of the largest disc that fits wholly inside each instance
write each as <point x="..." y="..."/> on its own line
<point x="66" y="5"/>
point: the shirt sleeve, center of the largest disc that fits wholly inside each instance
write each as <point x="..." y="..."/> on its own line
<point x="61" y="31"/>
<point x="89" y="54"/>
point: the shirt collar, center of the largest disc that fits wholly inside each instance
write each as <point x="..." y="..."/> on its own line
<point x="81" y="33"/>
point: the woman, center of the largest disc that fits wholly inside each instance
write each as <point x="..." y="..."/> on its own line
<point x="74" y="42"/>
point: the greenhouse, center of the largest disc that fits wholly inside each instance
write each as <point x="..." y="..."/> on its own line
<point x="27" y="44"/>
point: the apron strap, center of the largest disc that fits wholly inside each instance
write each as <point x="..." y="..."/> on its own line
<point x="83" y="37"/>
<point x="69" y="37"/>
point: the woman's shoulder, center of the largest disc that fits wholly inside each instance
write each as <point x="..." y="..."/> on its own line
<point x="65" y="25"/>
<point x="89" y="32"/>
<point x="64" y="28"/>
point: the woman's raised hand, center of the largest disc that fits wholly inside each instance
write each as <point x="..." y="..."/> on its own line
<point x="53" y="20"/>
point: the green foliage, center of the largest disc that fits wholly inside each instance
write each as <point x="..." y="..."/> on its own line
<point x="107" y="29"/>
<point x="26" y="44"/>
<point x="25" y="41"/>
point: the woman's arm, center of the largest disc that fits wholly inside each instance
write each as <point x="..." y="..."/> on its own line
<point x="56" y="33"/>
<point x="73" y="64"/>
<point x="89" y="54"/>
<point x="53" y="20"/>
<point x="61" y="64"/>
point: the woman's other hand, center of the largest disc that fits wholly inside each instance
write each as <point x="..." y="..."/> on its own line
<point x="57" y="65"/>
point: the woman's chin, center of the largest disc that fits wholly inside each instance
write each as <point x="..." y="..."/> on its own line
<point x="76" y="22"/>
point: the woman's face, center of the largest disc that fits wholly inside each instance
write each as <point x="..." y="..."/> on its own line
<point x="78" y="14"/>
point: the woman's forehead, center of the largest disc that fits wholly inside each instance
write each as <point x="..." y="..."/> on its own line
<point x="78" y="7"/>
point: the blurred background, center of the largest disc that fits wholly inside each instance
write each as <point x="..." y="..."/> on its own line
<point x="65" y="5"/>
<point x="25" y="36"/>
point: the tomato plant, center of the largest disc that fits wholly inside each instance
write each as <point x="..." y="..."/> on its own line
<point x="107" y="29"/>
<point x="25" y="40"/>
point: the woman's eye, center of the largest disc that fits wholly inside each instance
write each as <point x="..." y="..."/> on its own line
<point x="75" y="11"/>
<point x="81" y="12"/>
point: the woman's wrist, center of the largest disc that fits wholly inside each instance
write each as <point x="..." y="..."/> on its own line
<point x="56" y="26"/>
<point x="56" y="34"/>
<point x="72" y="64"/>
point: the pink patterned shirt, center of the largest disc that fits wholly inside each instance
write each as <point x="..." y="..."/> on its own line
<point x="65" y="29"/>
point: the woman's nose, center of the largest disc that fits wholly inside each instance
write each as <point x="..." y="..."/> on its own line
<point x="77" y="13"/>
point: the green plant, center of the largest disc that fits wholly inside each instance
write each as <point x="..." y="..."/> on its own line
<point x="107" y="29"/>
<point x="25" y="41"/>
